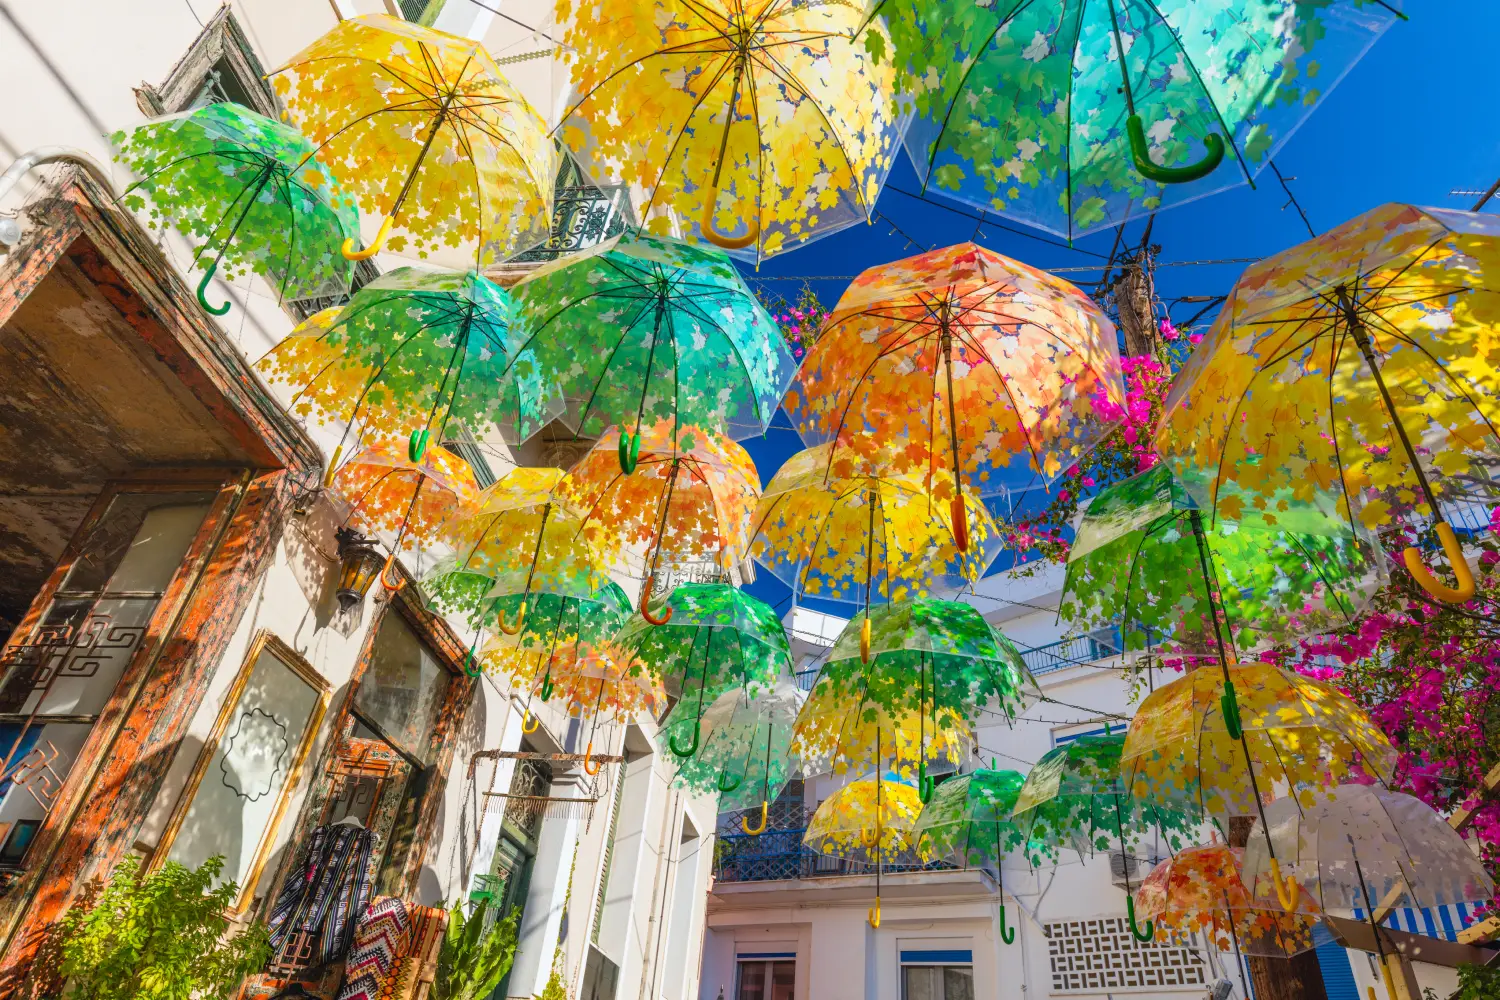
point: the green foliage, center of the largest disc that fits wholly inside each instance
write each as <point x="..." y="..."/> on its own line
<point x="472" y="960"/>
<point x="158" y="936"/>
<point x="554" y="990"/>
<point x="1477" y="982"/>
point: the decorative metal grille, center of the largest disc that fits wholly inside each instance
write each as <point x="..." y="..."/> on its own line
<point x="583" y="215"/>
<point x="1100" y="954"/>
<point x="364" y="273"/>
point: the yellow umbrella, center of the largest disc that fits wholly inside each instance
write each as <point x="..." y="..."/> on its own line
<point x="871" y="820"/>
<point x="423" y="129"/>
<point x="766" y="116"/>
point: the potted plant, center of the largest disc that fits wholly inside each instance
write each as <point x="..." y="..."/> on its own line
<point x="473" y="960"/>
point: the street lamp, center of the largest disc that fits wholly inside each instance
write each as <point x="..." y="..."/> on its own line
<point x="359" y="564"/>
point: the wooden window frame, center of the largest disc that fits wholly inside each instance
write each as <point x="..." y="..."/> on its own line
<point x="221" y="38"/>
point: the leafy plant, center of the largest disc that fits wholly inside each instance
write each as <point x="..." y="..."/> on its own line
<point x="472" y="960"/>
<point x="1477" y="982"/>
<point x="554" y="990"/>
<point x="158" y="936"/>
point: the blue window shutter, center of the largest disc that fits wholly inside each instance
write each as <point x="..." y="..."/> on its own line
<point x="1338" y="976"/>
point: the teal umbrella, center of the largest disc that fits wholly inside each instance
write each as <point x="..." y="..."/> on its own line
<point x="716" y="639"/>
<point x="1076" y="115"/>
<point x="642" y="329"/>
<point x="248" y="192"/>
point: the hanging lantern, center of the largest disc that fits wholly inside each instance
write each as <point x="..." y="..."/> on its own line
<point x="359" y="563"/>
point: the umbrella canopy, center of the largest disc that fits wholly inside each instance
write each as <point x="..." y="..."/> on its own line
<point x="968" y="821"/>
<point x="1200" y="890"/>
<point x="757" y="126"/>
<point x="604" y="681"/>
<point x="1355" y="372"/>
<point x="559" y="630"/>
<point x="386" y="491"/>
<point x="979" y="366"/>
<point x="1144" y="559"/>
<point x="1076" y="115"/>
<point x="423" y="128"/>
<point x="1292" y="734"/>
<point x="746" y="757"/>
<point x="249" y="192"/>
<point x="871" y="821"/>
<point x="861" y="535"/>
<point x="514" y="540"/>
<point x="643" y="329"/>
<point x="687" y="505"/>
<point x="417" y="353"/>
<point x="717" y="639"/>
<point x="1365" y="848"/>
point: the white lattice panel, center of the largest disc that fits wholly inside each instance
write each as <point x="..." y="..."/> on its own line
<point x="1099" y="955"/>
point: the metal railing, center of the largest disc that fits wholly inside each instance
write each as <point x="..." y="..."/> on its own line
<point x="779" y="854"/>
<point x="1072" y="652"/>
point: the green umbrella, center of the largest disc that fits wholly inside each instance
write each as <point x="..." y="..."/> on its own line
<point x="248" y="192"/>
<point x="935" y="669"/>
<point x="1143" y="552"/>
<point x="1076" y="115"/>
<point x="968" y="823"/>
<point x="1074" y="798"/>
<point x="416" y="351"/>
<point x="641" y="329"/>
<point x="746" y="756"/>
<point x="718" y="638"/>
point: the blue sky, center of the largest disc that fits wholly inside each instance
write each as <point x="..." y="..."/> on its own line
<point x="1412" y="121"/>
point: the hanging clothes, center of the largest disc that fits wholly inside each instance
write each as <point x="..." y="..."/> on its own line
<point x="382" y="937"/>
<point x="326" y="892"/>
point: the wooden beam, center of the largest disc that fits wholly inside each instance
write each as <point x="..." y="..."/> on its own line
<point x="1481" y="933"/>
<point x="1464" y="817"/>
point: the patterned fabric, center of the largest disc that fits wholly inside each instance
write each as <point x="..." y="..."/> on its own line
<point x="428" y="923"/>
<point x="381" y="939"/>
<point x="329" y="885"/>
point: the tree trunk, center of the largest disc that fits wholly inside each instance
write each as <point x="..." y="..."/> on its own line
<point x="1296" y="978"/>
<point x="1134" y="293"/>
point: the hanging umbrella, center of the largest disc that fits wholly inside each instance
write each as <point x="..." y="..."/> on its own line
<point x="422" y="127"/>
<point x="746" y="756"/>
<point x="977" y="365"/>
<point x="387" y="490"/>
<point x="1145" y="560"/>
<point x="1364" y="851"/>
<point x="1077" y="115"/>
<point x="416" y="353"/>
<point x="514" y="540"/>
<point x="717" y="639"/>
<point x="1199" y="890"/>
<point x="937" y="664"/>
<point x="1074" y="798"/>
<point x="869" y="821"/>
<point x="1356" y="372"/>
<point x="968" y="823"/>
<point x="689" y="504"/>
<point x="249" y="192"/>
<point x="857" y="534"/>
<point x="604" y="681"/>
<point x="760" y="125"/>
<point x="643" y="329"/>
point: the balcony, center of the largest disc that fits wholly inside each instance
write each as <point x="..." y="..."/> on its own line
<point x="778" y="855"/>
<point x="1077" y="651"/>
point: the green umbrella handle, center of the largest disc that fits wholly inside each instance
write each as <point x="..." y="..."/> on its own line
<point x="730" y="785"/>
<point x="630" y="451"/>
<point x="1141" y="154"/>
<point x="1007" y="934"/>
<point x="1229" y="706"/>
<point x="546" y="689"/>
<point x="1140" y="935"/>
<point x="208" y="276"/>
<point x="692" y="748"/>
<point x="416" y="445"/>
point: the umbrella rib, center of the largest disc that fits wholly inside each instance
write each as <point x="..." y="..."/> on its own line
<point x="666" y="162"/>
<point x="683" y="49"/>
<point x="625" y="331"/>
<point x="1397" y="334"/>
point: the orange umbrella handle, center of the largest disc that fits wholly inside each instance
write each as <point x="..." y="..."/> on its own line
<point x="718" y="239"/>
<point x="520" y="620"/>
<point x="646" y="602"/>
<point x="385" y="575"/>
<point x="1455" y="553"/>
<point x="960" y="523"/>
<point x="589" y="764"/>
<point x="374" y="248"/>
<point x="764" y="811"/>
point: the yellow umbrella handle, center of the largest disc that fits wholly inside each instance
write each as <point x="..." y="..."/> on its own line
<point x="333" y="467"/>
<point x="711" y="197"/>
<point x="1429" y="583"/>
<point x="374" y="248"/>
<point x="764" y="812"/>
<point x="864" y="639"/>
<point x="874" y="914"/>
<point x="1390" y="982"/>
<point x="1287" y="889"/>
<point x="526" y="717"/>
<point x="520" y="620"/>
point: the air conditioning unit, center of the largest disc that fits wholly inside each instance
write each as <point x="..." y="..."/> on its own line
<point x="1136" y="866"/>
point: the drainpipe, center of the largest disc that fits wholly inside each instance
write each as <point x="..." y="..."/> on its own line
<point x="10" y="229"/>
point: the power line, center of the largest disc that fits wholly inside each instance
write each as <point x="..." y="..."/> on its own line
<point x="1051" y="270"/>
<point x="997" y="225"/>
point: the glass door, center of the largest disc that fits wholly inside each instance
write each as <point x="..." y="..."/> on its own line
<point x="767" y="980"/>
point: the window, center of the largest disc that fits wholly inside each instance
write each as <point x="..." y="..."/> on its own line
<point x="583" y="214"/>
<point x="402" y="691"/>
<point x="766" y="977"/>
<point x="220" y="66"/>
<point x="937" y="982"/>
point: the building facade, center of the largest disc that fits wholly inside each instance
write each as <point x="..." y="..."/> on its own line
<point x="180" y="678"/>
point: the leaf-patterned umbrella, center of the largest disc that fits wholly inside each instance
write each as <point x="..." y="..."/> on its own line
<point x="604" y="680"/>
<point x="1076" y="115"/>
<point x="1357" y="372"/>
<point x="717" y="639"/>
<point x="1074" y="798"/>
<point x="1145" y="559"/>
<point x="871" y="821"/>
<point x="249" y="192"/>
<point x="644" y="329"/>
<point x="415" y="353"/>
<point x="764" y="117"/>
<point x="968" y="823"/>
<point x="964" y="362"/>
<point x="425" y="130"/>
<point x="688" y="503"/>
